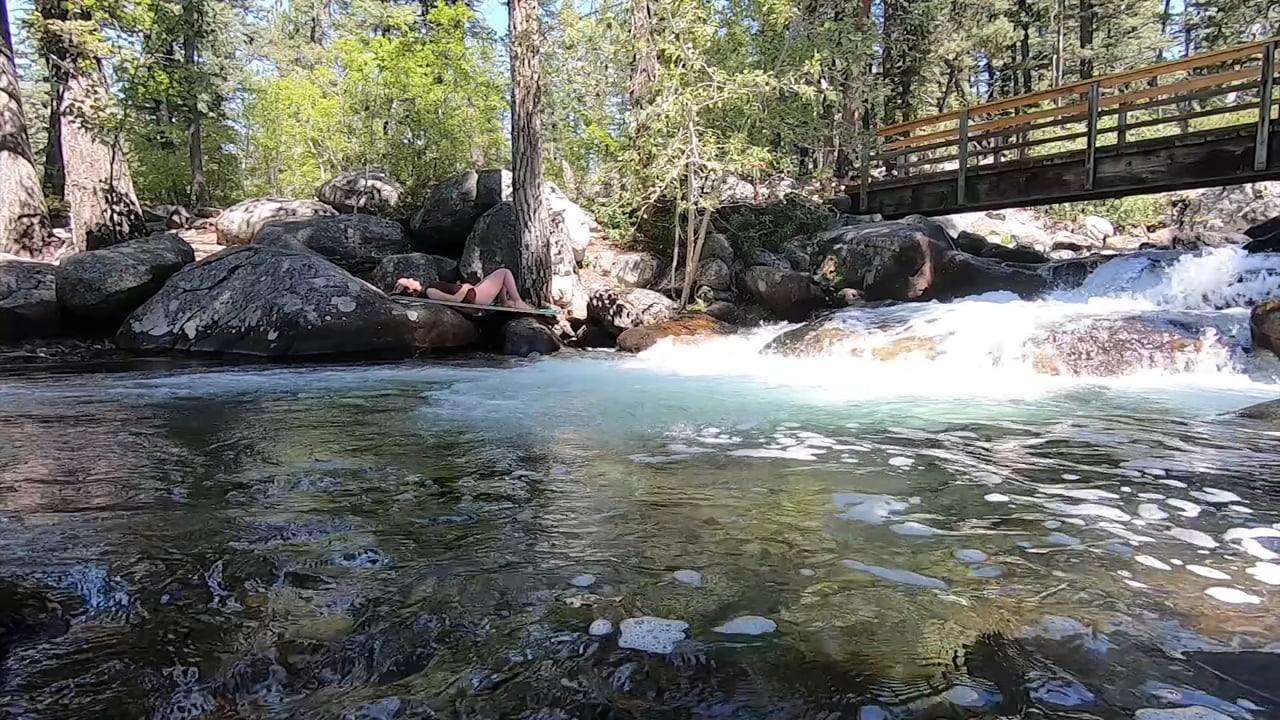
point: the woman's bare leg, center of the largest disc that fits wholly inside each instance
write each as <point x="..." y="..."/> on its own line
<point x="498" y="283"/>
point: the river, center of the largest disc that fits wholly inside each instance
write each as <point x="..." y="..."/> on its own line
<point x="949" y="534"/>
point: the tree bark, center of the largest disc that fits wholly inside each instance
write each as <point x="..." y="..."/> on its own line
<point x="526" y="151"/>
<point x="24" y="220"/>
<point x="104" y="209"/>
<point x="1086" y="39"/>
<point x="195" y="134"/>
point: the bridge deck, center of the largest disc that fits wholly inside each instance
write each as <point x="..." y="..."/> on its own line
<point x="1210" y="123"/>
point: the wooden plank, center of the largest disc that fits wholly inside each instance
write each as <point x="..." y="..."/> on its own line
<point x="1214" y="81"/>
<point x="1262" y="139"/>
<point x="471" y="306"/>
<point x="1091" y="149"/>
<point x="1212" y="92"/>
<point x="977" y="130"/>
<point x="1211" y="112"/>
<point x="964" y="156"/>
<point x="1106" y="81"/>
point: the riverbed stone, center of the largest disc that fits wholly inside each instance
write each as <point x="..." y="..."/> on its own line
<point x="101" y="287"/>
<point x="272" y="302"/>
<point x="28" y="300"/>
<point x="1071" y="273"/>
<point x="1113" y="347"/>
<point x="1264" y="326"/>
<point x="240" y="223"/>
<point x="527" y="336"/>
<point x="687" y="328"/>
<point x="367" y="191"/>
<point x="651" y="634"/>
<point x="356" y="243"/>
<point x="789" y="295"/>
<point x="620" y="309"/>
<point x="712" y="273"/>
<point x="1269" y="410"/>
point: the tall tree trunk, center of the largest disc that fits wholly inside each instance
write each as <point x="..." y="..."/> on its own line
<point x="104" y="209"/>
<point x="1086" y="39"/>
<point x="24" y="220"/>
<point x="195" y="134"/>
<point x="1060" y="46"/>
<point x="526" y="151"/>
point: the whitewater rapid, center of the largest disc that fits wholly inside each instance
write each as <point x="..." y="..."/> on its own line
<point x="985" y="345"/>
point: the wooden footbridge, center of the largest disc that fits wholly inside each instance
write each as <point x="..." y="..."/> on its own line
<point x="1200" y="121"/>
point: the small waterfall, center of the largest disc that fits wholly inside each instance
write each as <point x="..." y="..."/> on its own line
<point x="1166" y="317"/>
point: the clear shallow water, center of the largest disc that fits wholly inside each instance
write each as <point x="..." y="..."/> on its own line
<point x="948" y="533"/>
<point x="400" y="540"/>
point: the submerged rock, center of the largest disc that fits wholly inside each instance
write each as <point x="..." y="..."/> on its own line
<point x="355" y="243"/>
<point x="366" y="191"/>
<point x="600" y="627"/>
<point x="1070" y="274"/>
<point x="270" y="302"/>
<point x="1262" y="411"/>
<point x="651" y="634"/>
<point x="684" y="329"/>
<point x="1264" y="326"/>
<point x="693" y="578"/>
<point x="240" y="223"/>
<point x="1112" y="347"/>
<point x="104" y="286"/>
<point x="747" y="625"/>
<point x="620" y="309"/>
<point x="28" y="300"/>
<point x="788" y="294"/>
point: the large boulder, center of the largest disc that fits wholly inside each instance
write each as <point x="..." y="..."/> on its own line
<point x="1234" y="207"/>
<point x="768" y="259"/>
<point x="173" y="217"/>
<point x="240" y="223"/>
<point x="712" y="273"/>
<point x="416" y="266"/>
<point x="620" y="309"/>
<point x="1264" y="326"/>
<point x="1264" y="237"/>
<point x="901" y="260"/>
<point x="274" y="302"/>
<point x="1263" y="229"/>
<point x="365" y="191"/>
<point x="1269" y="410"/>
<point x="28" y="300"/>
<point x="1097" y="228"/>
<point x="355" y="243"/>
<point x="717" y="246"/>
<point x="1000" y="227"/>
<point x="101" y="287"/>
<point x="493" y="243"/>
<point x="443" y="222"/>
<point x="789" y="295"/>
<point x="1071" y="273"/>
<point x="578" y="223"/>
<point x="527" y="336"/>
<point x="684" y="329"/>
<point x="833" y="337"/>
<point x="628" y="269"/>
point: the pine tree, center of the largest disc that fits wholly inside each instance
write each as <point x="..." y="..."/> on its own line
<point x="24" y="220"/>
<point x="526" y="151"/>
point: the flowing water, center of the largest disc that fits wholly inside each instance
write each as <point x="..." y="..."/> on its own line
<point x="946" y="533"/>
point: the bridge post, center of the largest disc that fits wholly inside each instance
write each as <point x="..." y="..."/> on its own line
<point x="963" y="157"/>
<point x="1122" y="126"/>
<point x="864" y="180"/>
<point x="1091" y="149"/>
<point x="1264" y="107"/>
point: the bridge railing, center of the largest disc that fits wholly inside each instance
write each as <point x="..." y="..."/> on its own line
<point x="1232" y="89"/>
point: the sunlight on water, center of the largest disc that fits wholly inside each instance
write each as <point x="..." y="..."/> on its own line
<point x="703" y="530"/>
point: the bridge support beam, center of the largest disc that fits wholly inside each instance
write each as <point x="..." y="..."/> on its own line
<point x="1091" y="150"/>
<point x="1264" y="107"/>
<point x="963" y="156"/>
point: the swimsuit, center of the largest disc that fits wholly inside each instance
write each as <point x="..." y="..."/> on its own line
<point x="452" y="289"/>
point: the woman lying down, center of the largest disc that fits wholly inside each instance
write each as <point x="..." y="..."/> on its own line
<point x="498" y="285"/>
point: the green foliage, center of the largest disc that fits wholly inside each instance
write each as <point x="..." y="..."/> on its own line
<point x="419" y="104"/>
<point x="1128" y="214"/>
<point x="771" y="226"/>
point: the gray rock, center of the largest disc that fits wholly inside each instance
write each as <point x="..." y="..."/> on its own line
<point x="447" y="215"/>
<point x="577" y="223"/>
<point x="845" y="220"/>
<point x="905" y="260"/>
<point x="272" y="302"/>
<point x="104" y="286"/>
<point x="765" y="258"/>
<point x="174" y="217"/>
<point x="366" y="191"/>
<point x="527" y="336"/>
<point x="493" y="244"/>
<point x="240" y="223"/>
<point x="717" y="246"/>
<point x="492" y="187"/>
<point x="417" y="266"/>
<point x="712" y="272"/>
<point x="28" y="300"/>
<point x="620" y="309"/>
<point x="1097" y="228"/>
<point x="1071" y="273"/>
<point x="639" y="339"/>
<point x="1269" y="410"/>
<point x="1264" y="326"/>
<point x="723" y="310"/>
<point x="628" y="269"/>
<point x="789" y="295"/>
<point x="355" y="243"/>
